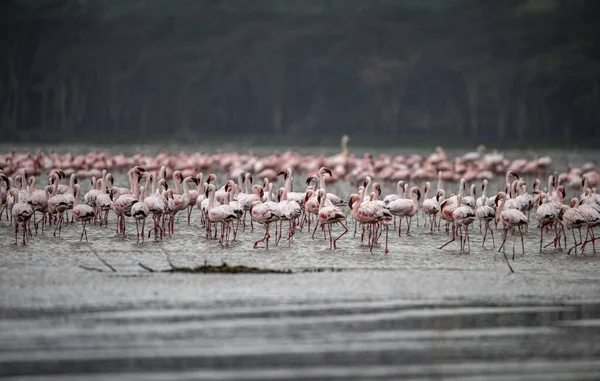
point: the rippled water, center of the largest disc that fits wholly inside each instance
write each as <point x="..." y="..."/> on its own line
<point x="417" y="313"/>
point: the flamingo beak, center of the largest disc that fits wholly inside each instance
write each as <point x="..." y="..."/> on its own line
<point x="308" y="180"/>
<point x="418" y="195"/>
<point x="516" y="175"/>
<point x="195" y="180"/>
<point x="328" y="171"/>
<point x="206" y="193"/>
<point x="250" y="179"/>
<point x="262" y="193"/>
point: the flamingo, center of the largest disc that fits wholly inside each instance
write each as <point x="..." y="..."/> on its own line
<point x="573" y="218"/>
<point x="82" y="212"/>
<point x="511" y="218"/>
<point x="103" y="203"/>
<point x="288" y="210"/>
<point x="21" y="212"/>
<point x="298" y="197"/>
<point x="194" y="194"/>
<point x="369" y="213"/>
<point x="486" y="214"/>
<point x="463" y="216"/>
<point x="405" y="207"/>
<point x="155" y="205"/>
<point x="399" y="193"/>
<point x="262" y="213"/>
<point x="223" y="214"/>
<point x="58" y="203"/>
<point x="329" y="215"/>
<point x="140" y="210"/>
<point x="431" y="206"/>
<point x="38" y="199"/>
<point x="591" y="212"/>
<point x="524" y="200"/>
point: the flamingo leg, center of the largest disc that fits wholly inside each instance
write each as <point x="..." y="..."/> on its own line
<point x="504" y="240"/>
<point x="340" y="236"/>
<point x="453" y="238"/>
<point x="387" y="229"/>
<point x="575" y="244"/>
<point x="400" y="227"/>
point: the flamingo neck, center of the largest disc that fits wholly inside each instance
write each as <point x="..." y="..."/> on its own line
<point x="211" y="199"/>
<point x="177" y="185"/>
<point x="288" y="182"/>
<point x="240" y="182"/>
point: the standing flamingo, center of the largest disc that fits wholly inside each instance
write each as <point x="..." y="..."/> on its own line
<point x="82" y="212"/>
<point x="510" y="218"/>
<point x="21" y="213"/>
<point x="263" y="214"/>
<point x="405" y="207"/>
<point x="431" y="207"/>
<point x="329" y="215"/>
<point x="288" y="210"/>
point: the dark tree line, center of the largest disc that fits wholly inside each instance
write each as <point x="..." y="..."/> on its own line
<point x="463" y="70"/>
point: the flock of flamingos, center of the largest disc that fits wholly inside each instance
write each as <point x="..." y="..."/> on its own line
<point x="166" y="188"/>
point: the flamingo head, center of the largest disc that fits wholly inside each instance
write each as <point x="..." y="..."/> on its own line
<point x="416" y="191"/>
<point x="310" y="179"/>
<point x="326" y="170"/>
<point x="209" y="188"/>
<point x="377" y="188"/>
<point x="163" y="183"/>
<point x="248" y="177"/>
<point x="512" y="173"/>
<point x="308" y="195"/>
<point x="285" y="173"/>
<point x="113" y="192"/>
<point x="583" y="178"/>
<point x="561" y="190"/>
<point x="109" y="179"/>
<point x="194" y="180"/>
<point x="258" y="190"/>
<point x="440" y="195"/>
<point x="5" y="179"/>
<point x="353" y="198"/>
<point x="280" y="193"/>
<point x="367" y="181"/>
<point x="229" y="186"/>
<point x="427" y="185"/>
<point x="211" y="177"/>
<point x="500" y="196"/>
<point x="178" y="176"/>
<point x="574" y="202"/>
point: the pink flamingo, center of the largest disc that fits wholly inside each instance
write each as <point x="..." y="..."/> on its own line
<point x="329" y="215"/>
<point x="406" y="208"/>
<point x="82" y="212"/>
<point x="510" y="218"/>
<point x="21" y="212"/>
<point x="263" y="214"/>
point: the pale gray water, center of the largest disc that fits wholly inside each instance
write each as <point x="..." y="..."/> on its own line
<point x="417" y="313"/>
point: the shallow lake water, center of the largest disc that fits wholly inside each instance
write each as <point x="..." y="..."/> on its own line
<point x="415" y="313"/>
